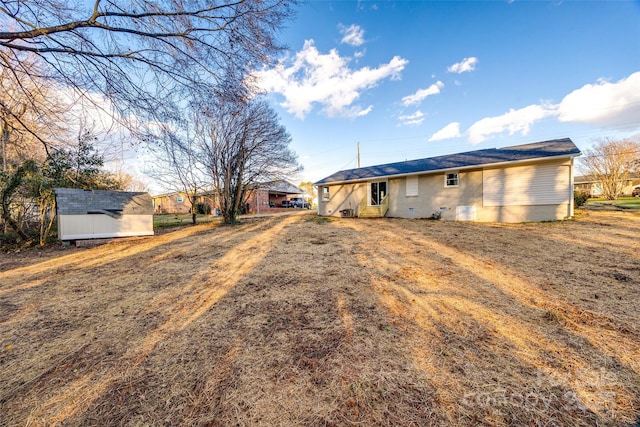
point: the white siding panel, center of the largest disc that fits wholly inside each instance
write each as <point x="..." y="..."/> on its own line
<point x="526" y="185"/>
<point x="76" y="227"/>
<point x="412" y="186"/>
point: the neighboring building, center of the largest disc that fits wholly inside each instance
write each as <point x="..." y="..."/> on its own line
<point x="532" y="182"/>
<point x="178" y="202"/>
<point x="96" y="214"/>
<point x="263" y="198"/>
<point x="171" y="203"/>
<point x="593" y="187"/>
<point x="270" y="196"/>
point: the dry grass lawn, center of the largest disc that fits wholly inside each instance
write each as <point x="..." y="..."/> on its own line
<point x="297" y="320"/>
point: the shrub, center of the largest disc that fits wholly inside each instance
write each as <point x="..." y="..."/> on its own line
<point x="10" y="238"/>
<point x="580" y="198"/>
<point x="203" y="209"/>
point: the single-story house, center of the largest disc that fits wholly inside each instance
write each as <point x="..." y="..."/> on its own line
<point x="267" y="196"/>
<point x="593" y="187"/>
<point x="531" y="182"/>
<point x="97" y="214"/>
<point x="179" y="202"/>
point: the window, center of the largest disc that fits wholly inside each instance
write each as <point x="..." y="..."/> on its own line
<point x="412" y="186"/>
<point x="451" y="179"/>
<point x="179" y="199"/>
<point x="325" y="193"/>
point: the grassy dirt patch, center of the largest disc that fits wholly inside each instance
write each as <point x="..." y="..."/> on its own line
<point x="626" y="203"/>
<point x="297" y="320"/>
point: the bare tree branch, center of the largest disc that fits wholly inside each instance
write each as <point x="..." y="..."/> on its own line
<point x="144" y="56"/>
<point x="611" y="163"/>
<point x="242" y="145"/>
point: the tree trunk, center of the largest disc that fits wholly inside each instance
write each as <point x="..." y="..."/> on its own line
<point x="49" y="206"/>
<point x="5" y="198"/>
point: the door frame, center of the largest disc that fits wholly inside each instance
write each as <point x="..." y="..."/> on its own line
<point x="370" y="191"/>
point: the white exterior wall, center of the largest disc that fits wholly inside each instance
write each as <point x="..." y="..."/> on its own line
<point x="517" y="193"/>
<point x="526" y="185"/>
<point x="341" y="197"/>
<point x="97" y="226"/>
<point x="433" y="196"/>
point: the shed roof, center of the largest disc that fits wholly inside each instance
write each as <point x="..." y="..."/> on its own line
<point x="517" y="153"/>
<point x="71" y="201"/>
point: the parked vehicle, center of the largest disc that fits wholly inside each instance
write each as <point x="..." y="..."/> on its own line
<point x="286" y="204"/>
<point x="299" y="202"/>
<point x="636" y="192"/>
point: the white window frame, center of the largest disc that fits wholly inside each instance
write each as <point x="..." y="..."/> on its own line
<point x="446" y="179"/>
<point x="325" y="193"/>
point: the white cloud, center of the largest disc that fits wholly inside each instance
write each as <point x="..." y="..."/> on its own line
<point x="421" y="94"/>
<point x="610" y="105"/>
<point x="326" y="79"/>
<point x="614" y="105"/>
<point x="413" y="119"/>
<point x="359" y="54"/>
<point x="452" y="130"/>
<point x="356" y="111"/>
<point x="467" y="64"/>
<point x="352" y="35"/>
<point x="512" y="121"/>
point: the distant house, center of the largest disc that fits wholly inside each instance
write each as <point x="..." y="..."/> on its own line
<point x="531" y="182"/>
<point x="96" y="214"/>
<point x="179" y="202"/>
<point x="593" y="187"/>
<point x="267" y="196"/>
<point x="262" y="198"/>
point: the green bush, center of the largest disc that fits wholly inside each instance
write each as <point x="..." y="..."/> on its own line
<point x="10" y="238"/>
<point x="580" y="198"/>
<point x="203" y="209"/>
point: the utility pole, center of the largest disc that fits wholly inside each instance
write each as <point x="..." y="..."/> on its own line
<point x="358" y="154"/>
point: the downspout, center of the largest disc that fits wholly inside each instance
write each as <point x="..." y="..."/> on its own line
<point x="571" y="192"/>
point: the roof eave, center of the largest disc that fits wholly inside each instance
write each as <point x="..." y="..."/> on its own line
<point x="482" y="166"/>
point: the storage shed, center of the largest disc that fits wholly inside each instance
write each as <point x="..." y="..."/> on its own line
<point x="98" y="214"/>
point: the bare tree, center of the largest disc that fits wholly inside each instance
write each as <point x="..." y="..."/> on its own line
<point x="22" y="124"/>
<point x="309" y="189"/>
<point x="611" y="163"/>
<point x="242" y="145"/>
<point x="178" y="164"/>
<point x="141" y="55"/>
<point x="23" y="100"/>
<point x="127" y="181"/>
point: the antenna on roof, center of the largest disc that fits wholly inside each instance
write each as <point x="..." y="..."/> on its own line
<point x="358" y="154"/>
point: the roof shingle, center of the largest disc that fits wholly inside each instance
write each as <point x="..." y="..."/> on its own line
<point x="538" y="150"/>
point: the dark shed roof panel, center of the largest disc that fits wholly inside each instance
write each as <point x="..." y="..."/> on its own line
<point x="71" y="201"/>
<point x="538" y="150"/>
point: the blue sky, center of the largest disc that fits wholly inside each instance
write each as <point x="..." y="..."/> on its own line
<point x="415" y="79"/>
